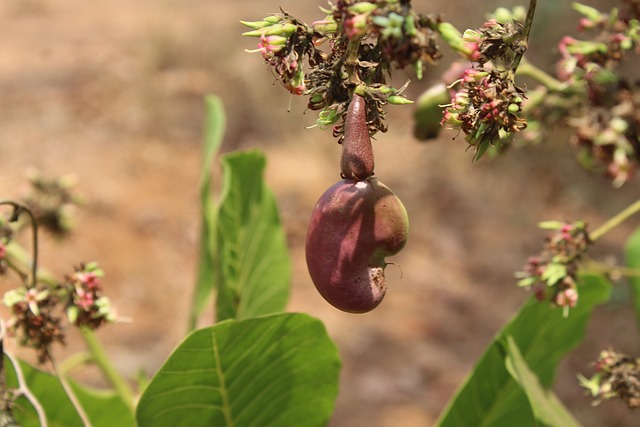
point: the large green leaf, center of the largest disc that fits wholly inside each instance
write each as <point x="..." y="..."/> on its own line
<point x="103" y="408"/>
<point x="278" y="370"/>
<point x="490" y="396"/>
<point x="253" y="255"/>
<point x="206" y="279"/>
<point x="547" y="409"/>
<point x="632" y="252"/>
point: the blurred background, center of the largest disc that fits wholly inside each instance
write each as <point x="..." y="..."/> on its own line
<point x="111" y="91"/>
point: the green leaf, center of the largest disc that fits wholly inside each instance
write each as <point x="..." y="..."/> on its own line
<point x="254" y="260"/>
<point x="279" y="370"/>
<point x="206" y="276"/>
<point x="104" y="408"/>
<point x="490" y="396"/>
<point x="548" y="410"/>
<point x="632" y="253"/>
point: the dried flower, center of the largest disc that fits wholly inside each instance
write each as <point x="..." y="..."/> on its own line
<point x="617" y="376"/>
<point x="552" y="274"/>
<point x="33" y="319"/>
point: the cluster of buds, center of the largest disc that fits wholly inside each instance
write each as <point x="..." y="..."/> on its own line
<point x="485" y="108"/>
<point x="552" y="274"/>
<point x="350" y="61"/>
<point x="608" y="124"/>
<point x="34" y="320"/>
<point x="50" y="201"/>
<point x="284" y="44"/>
<point x="86" y="306"/>
<point x="617" y="33"/>
<point x="607" y="137"/>
<point x="487" y="105"/>
<point x="37" y="312"/>
<point x="616" y="376"/>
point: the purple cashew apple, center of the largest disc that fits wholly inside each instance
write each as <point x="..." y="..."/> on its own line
<point x="356" y="224"/>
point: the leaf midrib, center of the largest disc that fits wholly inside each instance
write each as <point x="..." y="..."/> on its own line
<point x="226" y="409"/>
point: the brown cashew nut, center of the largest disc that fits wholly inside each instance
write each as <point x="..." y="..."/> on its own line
<point x="356" y="224"/>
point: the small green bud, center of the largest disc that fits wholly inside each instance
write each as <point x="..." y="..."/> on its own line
<point x="256" y="25"/>
<point x="587" y="11"/>
<point x="272" y="19"/>
<point x="273" y="30"/>
<point x="513" y="108"/>
<point x="502" y="15"/>
<point x="398" y="100"/>
<point x="410" y="26"/>
<point x="551" y="225"/>
<point x="362" y="7"/>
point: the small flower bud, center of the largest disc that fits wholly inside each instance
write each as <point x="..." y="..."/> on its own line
<point x="362" y="7"/>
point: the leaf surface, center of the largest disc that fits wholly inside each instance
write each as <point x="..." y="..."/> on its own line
<point x="104" y="408"/>
<point x="278" y="370"/>
<point x="206" y="276"/>
<point x="632" y="253"/>
<point x="490" y="397"/>
<point x="547" y="409"/>
<point x="253" y="255"/>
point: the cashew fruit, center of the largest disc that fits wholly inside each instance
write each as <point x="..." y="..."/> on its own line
<point x="354" y="226"/>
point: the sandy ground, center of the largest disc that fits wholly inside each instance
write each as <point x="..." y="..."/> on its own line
<point x="112" y="92"/>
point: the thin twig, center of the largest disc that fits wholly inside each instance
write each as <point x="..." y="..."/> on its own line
<point x="71" y="395"/>
<point x="629" y="211"/>
<point x="525" y="35"/>
<point x="17" y="210"/>
<point x="23" y="388"/>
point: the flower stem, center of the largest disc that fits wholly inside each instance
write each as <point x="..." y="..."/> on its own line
<point x="351" y="61"/>
<point x="17" y="210"/>
<point x="615" y="221"/>
<point x="525" y="34"/>
<point x="99" y="357"/>
<point x="527" y="69"/>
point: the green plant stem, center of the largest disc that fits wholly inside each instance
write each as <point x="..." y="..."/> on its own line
<point x="17" y="210"/>
<point x="527" y="69"/>
<point x="99" y="357"/>
<point x="613" y="222"/>
<point x="600" y="267"/>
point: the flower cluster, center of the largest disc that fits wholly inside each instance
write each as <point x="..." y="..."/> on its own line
<point x="86" y="306"/>
<point x="485" y="108"/>
<point x="495" y="41"/>
<point x="37" y="312"/>
<point x="487" y="105"/>
<point x="50" y="201"/>
<point x="362" y="41"/>
<point x="617" y="375"/>
<point x="552" y="274"/>
<point x="607" y="126"/>
<point x="34" y="319"/>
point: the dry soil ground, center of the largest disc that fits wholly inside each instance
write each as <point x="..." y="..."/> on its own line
<point x="111" y="91"/>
